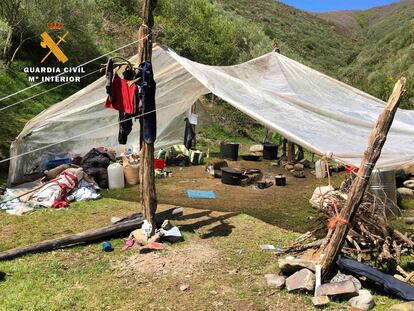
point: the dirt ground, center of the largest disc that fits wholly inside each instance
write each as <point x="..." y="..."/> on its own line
<point x="286" y="207"/>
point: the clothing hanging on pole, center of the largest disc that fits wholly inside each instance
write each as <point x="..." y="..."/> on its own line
<point x="189" y="134"/>
<point x="148" y="122"/>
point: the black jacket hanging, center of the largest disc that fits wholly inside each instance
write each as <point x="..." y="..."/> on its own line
<point x="109" y="75"/>
<point x="148" y="121"/>
<point x="189" y="134"/>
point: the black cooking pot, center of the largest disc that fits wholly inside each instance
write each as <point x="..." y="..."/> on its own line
<point x="251" y="157"/>
<point x="269" y="151"/>
<point x="231" y="176"/>
<point x="280" y="180"/>
<point x="229" y="151"/>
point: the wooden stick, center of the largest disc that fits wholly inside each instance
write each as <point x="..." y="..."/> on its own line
<point x="376" y="141"/>
<point x="87" y="236"/>
<point x="301" y="248"/>
<point x="403" y="238"/>
<point x="26" y="193"/>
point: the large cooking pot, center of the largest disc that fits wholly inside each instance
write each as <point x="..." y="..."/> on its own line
<point x="229" y="151"/>
<point x="231" y="176"/>
<point x="269" y="151"/>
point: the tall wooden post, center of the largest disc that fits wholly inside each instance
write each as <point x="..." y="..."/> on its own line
<point x="193" y="126"/>
<point x="147" y="178"/>
<point x="291" y="152"/>
<point x="290" y="145"/>
<point x="376" y="141"/>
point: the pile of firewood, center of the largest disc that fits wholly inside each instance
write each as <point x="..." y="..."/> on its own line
<point x="370" y="238"/>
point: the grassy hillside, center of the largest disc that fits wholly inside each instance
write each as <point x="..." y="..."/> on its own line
<point x="301" y="35"/>
<point x="386" y="37"/>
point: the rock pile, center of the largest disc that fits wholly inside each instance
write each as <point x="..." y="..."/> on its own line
<point x="299" y="276"/>
<point x="405" y="181"/>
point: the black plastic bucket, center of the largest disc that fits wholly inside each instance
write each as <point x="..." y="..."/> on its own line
<point x="229" y="151"/>
<point x="280" y="180"/>
<point x="269" y="151"/>
<point x="231" y="176"/>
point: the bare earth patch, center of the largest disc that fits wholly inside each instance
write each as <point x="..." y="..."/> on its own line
<point x="175" y="260"/>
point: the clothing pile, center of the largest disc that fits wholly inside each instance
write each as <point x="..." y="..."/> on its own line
<point x="134" y="97"/>
<point x="68" y="185"/>
<point x="95" y="163"/>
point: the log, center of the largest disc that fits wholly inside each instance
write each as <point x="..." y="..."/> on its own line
<point x="376" y="141"/>
<point x="147" y="178"/>
<point x="87" y="236"/>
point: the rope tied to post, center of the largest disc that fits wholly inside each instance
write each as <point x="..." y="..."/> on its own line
<point x="337" y="218"/>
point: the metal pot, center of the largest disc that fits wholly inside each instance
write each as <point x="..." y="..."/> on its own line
<point x="280" y="180"/>
<point x="231" y="176"/>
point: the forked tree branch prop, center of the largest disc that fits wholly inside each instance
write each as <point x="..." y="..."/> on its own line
<point x="376" y="141"/>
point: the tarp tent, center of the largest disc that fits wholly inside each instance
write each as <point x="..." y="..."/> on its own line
<point x="305" y="106"/>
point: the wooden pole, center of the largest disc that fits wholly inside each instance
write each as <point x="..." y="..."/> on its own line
<point x="194" y="142"/>
<point x="291" y="152"/>
<point x="284" y="147"/>
<point x="376" y="141"/>
<point x="290" y="146"/>
<point x="147" y="178"/>
<point x="87" y="236"/>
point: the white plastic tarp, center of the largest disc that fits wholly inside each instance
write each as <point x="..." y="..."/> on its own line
<point x="305" y="106"/>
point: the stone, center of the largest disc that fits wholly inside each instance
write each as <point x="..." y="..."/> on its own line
<point x="298" y="174"/>
<point x="408" y="169"/>
<point x="340" y="277"/>
<point x="363" y="301"/>
<point x="307" y="163"/>
<point x="405" y="192"/>
<point x="408" y="306"/>
<point x="409" y="184"/>
<point x="320" y="301"/>
<point x="289" y="167"/>
<point x="291" y="265"/>
<point x="303" y="280"/>
<point x="298" y="167"/>
<point x="256" y="148"/>
<point x="184" y="287"/>
<point x="344" y="289"/>
<point x="275" y="281"/>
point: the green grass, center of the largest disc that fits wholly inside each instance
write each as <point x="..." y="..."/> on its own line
<point x="84" y="278"/>
<point x="361" y="18"/>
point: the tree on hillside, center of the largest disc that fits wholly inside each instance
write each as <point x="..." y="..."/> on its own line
<point x="22" y="22"/>
<point x="14" y="14"/>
